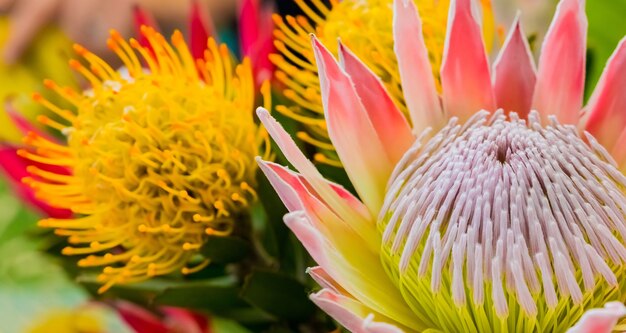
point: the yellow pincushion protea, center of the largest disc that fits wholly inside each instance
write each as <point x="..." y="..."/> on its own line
<point x="154" y="162"/>
<point x="365" y="26"/>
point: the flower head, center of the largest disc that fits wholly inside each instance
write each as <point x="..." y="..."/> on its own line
<point x="502" y="219"/>
<point x="158" y="159"/>
<point x="365" y="27"/>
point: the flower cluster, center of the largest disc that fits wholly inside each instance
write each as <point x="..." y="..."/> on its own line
<point x="480" y="196"/>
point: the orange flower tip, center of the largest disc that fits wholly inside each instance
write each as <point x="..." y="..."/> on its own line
<point x="291" y="20"/>
<point x="142" y="228"/>
<point x="111" y="44"/>
<point x="22" y="152"/>
<point x="151" y="270"/>
<point x="75" y="64"/>
<point x="277" y="18"/>
<point x="135" y="259"/>
<point x="29" y="169"/>
<point x="115" y="34"/>
<point x="280" y="75"/>
<point x="67" y="251"/>
<point x="301" y="20"/>
<point x="95" y="245"/>
<point x="279" y="34"/>
<point x="108" y="270"/>
<point x="185" y="271"/>
<point x="280" y="45"/>
<point x="49" y="84"/>
<point x="224" y="50"/>
<point x="265" y="87"/>
<point x="301" y="135"/>
<point x="189" y="246"/>
<point x="79" y="49"/>
<point x="37" y="97"/>
<point x="209" y="231"/>
<point x="289" y="93"/>
<point x="134" y="43"/>
<point x="43" y="223"/>
<point x="177" y="38"/>
<point x="275" y="58"/>
<point x="319" y="157"/>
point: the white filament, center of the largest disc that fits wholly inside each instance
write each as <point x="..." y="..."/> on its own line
<point x="500" y="200"/>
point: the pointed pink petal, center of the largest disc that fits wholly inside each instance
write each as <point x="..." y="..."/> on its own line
<point x="514" y="73"/>
<point x="390" y="125"/>
<point x="606" y="110"/>
<point x="263" y="67"/>
<point x="200" y="29"/>
<point x="255" y="37"/>
<point x="360" y="273"/>
<point x="293" y="154"/>
<point x="465" y="78"/>
<point x="324" y="280"/>
<point x="139" y="319"/>
<point x="561" y="76"/>
<point x="296" y="193"/>
<point x="359" y="147"/>
<point x="352" y="315"/>
<point x="618" y="151"/>
<point x="24" y="125"/>
<point x="280" y="176"/>
<point x="248" y="25"/>
<point x="183" y="320"/>
<point x="416" y="73"/>
<point x="14" y="169"/>
<point x="142" y="18"/>
<point x="600" y="320"/>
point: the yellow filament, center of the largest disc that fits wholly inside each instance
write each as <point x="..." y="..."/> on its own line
<point x="156" y="163"/>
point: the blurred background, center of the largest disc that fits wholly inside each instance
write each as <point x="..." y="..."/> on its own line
<point x="35" y="292"/>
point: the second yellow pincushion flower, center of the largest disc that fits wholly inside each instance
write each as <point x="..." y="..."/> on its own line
<point x="158" y="159"/>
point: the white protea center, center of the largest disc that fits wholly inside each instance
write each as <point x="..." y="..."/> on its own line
<point x="505" y="218"/>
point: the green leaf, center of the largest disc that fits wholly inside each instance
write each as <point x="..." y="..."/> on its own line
<point x="202" y="295"/>
<point x="606" y="29"/>
<point x="225" y="249"/>
<point x="226" y="325"/>
<point x="278" y="294"/>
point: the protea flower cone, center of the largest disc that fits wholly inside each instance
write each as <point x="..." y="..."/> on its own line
<point x="504" y="217"/>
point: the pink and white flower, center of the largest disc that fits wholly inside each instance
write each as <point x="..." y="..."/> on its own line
<point x="509" y="215"/>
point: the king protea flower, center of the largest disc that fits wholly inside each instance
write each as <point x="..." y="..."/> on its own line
<point x="503" y="220"/>
<point x="158" y="159"/>
<point x="365" y="27"/>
